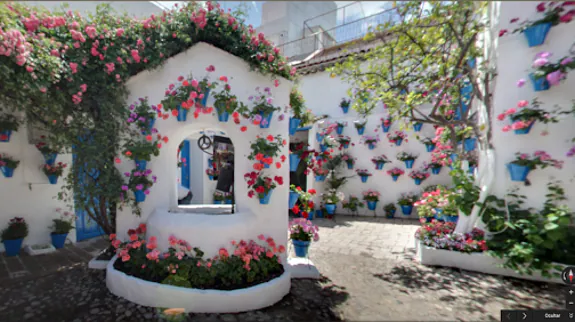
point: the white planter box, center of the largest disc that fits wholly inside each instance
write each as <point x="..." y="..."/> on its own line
<point x="98" y="264"/>
<point x="477" y="262"/>
<point x="34" y="252"/>
<point x="195" y="300"/>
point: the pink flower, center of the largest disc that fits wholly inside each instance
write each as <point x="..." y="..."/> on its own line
<point x="510" y="111"/>
<point x="566" y="61"/>
<point x="555" y="77"/>
<point x="540" y="62"/>
<point x="506" y="128"/>
<point x="522" y="103"/>
<point x="520" y="82"/>
<point x="501" y="116"/>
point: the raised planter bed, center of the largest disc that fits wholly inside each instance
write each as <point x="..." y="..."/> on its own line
<point x="101" y="261"/>
<point x="476" y="262"/>
<point x="35" y="250"/>
<point x="195" y="300"/>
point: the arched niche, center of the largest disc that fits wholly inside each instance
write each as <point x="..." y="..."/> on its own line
<point x="208" y="231"/>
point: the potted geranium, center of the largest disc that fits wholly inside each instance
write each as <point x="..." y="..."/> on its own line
<point x="371" y="197"/>
<point x="380" y="161"/>
<point x="406" y="202"/>
<point x="344" y="141"/>
<point x="340" y="126"/>
<point x="226" y="103"/>
<point x="142" y="115"/>
<point x="536" y="31"/>
<point x="389" y="209"/>
<point x="429" y="144"/>
<point x="349" y="160"/>
<point x="306" y="205"/>
<point x="219" y="197"/>
<point x="418" y="176"/>
<point x="265" y="149"/>
<point x="302" y="232"/>
<point x="299" y="152"/>
<point x="370" y="141"/>
<point x="212" y="173"/>
<point x="141" y="152"/>
<point x="395" y="173"/>
<point x="408" y="158"/>
<point x="13" y="235"/>
<point x="524" y="163"/>
<point x="297" y="105"/>
<point x="53" y="172"/>
<point x="330" y="199"/>
<point x="328" y="142"/>
<point x="397" y="137"/>
<point x="386" y="123"/>
<point x="524" y="116"/>
<point x="139" y="182"/>
<point x="360" y="126"/>
<point x="293" y="195"/>
<point x="228" y="198"/>
<point x="7" y="165"/>
<point x="61" y="227"/>
<point x="435" y="165"/>
<point x="190" y="93"/>
<point x="8" y="124"/>
<point x="50" y="153"/>
<point x="548" y="74"/>
<point x="263" y="109"/>
<point x="363" y="174"/>
<point x="320" y="173"/>
<point x="417" y="126"/>
<point x="344" y="104"/>
<point x="262" y="186"/>
<point x="352" y="204"/>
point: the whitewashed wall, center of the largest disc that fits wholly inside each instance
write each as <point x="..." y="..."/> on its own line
<point x="514" y="60"/>
<point x="211" y="232"/>
<point x="323" y="95"/>
<point x="28" y="193"/>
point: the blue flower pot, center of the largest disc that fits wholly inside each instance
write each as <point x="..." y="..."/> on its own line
<point x="140" y="195"/>
<point x="429" y="219"/>
<point x="150" y="126"/>
<point x="452" y="219"/>
<point x="436" y="170"/>
<point x="293" y="162"/>
<point x="320" y="178"/>
<point x="323" y="147"/>
<point x="223" y="117"/>
<point x="394" y="178"/>
<point x="228" y="201"/>
<point x="182" y="114"/>
<point x="409" y="163"/>
<point x="345" y="109"/>
<point x="417" y="181"/>
<point x="417" y="126"/>
<point x="469" y="144"/>
<point x="385" y="128"/>
<point x="300" y="247"/>
<point x="319" y="213"/>
<point x="13" y="247"/>
<point x="210" y="177"/>
<point x="539" y="84"/>
<point x="471" y="62"/>
<point x="524" y="130"/>
<point x="218" y="202"/>
<point x="266" y="198"/>
<point x="50" y="158"/>
<point x="460" y="111"/>
<point x="53" y="179"/>
<point x="390" y="214"/>
<point x="8" y="134"/>
<point x="319" y="137"/>
<point x="406" y="210"/>
<point x="293" y="197"/>
<point x="471" y="170"/>
<point x="364" y="179"/>
<point x="345" y="146"/>
<point x="141" y="164"/>
<point x="438" y="214"/>
<point x="371" y="146"/>
<point x="330" y="208"/>
<point x="379" y="165"/>
<point x="339" y="129"/>
<point x="536" y="34"/>
<point x="349" y="165"/>
<point x="266" y="120"/>
<point x="360" y="130"/>
<point x="266" y="166"/>
<point x="371" y="205"/>
<point x="518" y="172"/>
<point x="430" y="147"/>
<point x="7" y="172"/>
<point x="58" y="240"/>
<point x="398" y="142"/>
<point x="211" y="163"/>
<point x="206" y="95"/>
<point x="293" y="125"/>
<point x="402" y="92"/>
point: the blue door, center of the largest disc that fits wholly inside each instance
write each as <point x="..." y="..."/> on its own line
<point x="85" y="226"/>
<point x="185" y="154"/>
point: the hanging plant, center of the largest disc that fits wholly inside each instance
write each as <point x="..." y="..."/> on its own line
<point x="7" y="165"/>
<point x="364" y="174"/>
<point x="263" y="109"/>
<point x="525" y="163"/>
<point x="344" y="104"/>
<point x="265" y="149"/>
<point x="139" y="150"/>
<point x="349" y="160"/>
<point x="360" y="126"/>
<point x="547" y="74"/>
<point x="352" y="204"/>
<point x="297" y="106"/>
<point x="53" y="172"/>
<point x="408" y="158"/>
<point x="418" y="176"/>
<point x="50" y="153"/>
<point x="344" y="141"/>
<point x="143" y="116"/>
<point x="8" y="124"/>
<point x="226" y="103"/>
<point x="340" y="127"/>
<point x="435" y="165"/>
<point x="397" y="137"/>
<point x="524" y="116"/>
<point x="380" y="161"/>
<point x="139" y="182"/>
<point x="370" y="141"/>
<point x="386" y="123"/>
<point x="395" y="173"/>
<point x="429" y="144"/>
<point x="261" y="186"/>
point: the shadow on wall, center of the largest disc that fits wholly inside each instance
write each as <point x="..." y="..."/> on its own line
<point x="475" y="289"/>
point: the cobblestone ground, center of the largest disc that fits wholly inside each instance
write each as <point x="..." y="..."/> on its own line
<point x="368" y="275"/>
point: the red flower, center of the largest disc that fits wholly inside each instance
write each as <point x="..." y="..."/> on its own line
<point x="514" y="20"/>
<point x="295" y="209"/>
<point x="175" y="112"/>
<point x="148" y="138"/>
<point x="235" y="114"/>
<point x="165" y="139"/>
<point x="304" y="214"/>
<point x="270" y="138"/>
<point x="223" y="78"/>
<point x="278" y="165"/>
<point x="312" y="191"/>
<point x="541" y="7"/>
<point x="502" y="32"/>
<point x="237" y="121"/>
<point x="128" y="153"/>
<point x="244" y="128"/>
<point x="260" y="189"/>
<point x="118" y="160"/>
<point x="251" y="193"/>
<point x="283" y="158"/>
<point x="279" y="180"/>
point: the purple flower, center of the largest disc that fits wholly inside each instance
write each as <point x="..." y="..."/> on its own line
<point x="281" y="117"/>
<point x="251" y="98"/>
<point x="147" y="192"/>
<point x="154" y="130"/>
<point x="139" y="187"/>
<point x="258" y="118"/>
<point x="130" y="120"/>
<point x="543" y="54"/>
<point x="571" y="152"/>
<point x="127" y="174"/>
<point x="132" y="107"/>
<point x="147" y="172"/>
<point x="267" y="89"/>
<point x="154" y="178"/>
<point x="566" y="61"/>
<point x="125" y="188"/>
<point x="269" y="100"/>
<point x="520" y="82"/>
<point x="555" y="77"/>
<point x="133" y="115"/>
<point x="137" y="173"/>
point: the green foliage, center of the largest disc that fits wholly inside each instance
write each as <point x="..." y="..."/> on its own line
<point x="297" y="103"/>
<point x="267" y="147"/>
<point x="54" y="170"/>
<point x="467" y="192"/>
<point x="8" y="161"/>
<point x="17" y="228"/>
<point x="352" y="204"/>
<point x="388" y="208"/>
<point x="9" y="122"/>
<point x="141" y="150"/>
<point x="531" y="240"/>
<point x="227" y="102"/>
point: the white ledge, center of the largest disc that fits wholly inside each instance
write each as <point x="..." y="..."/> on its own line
<point x="153" y="294"/>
